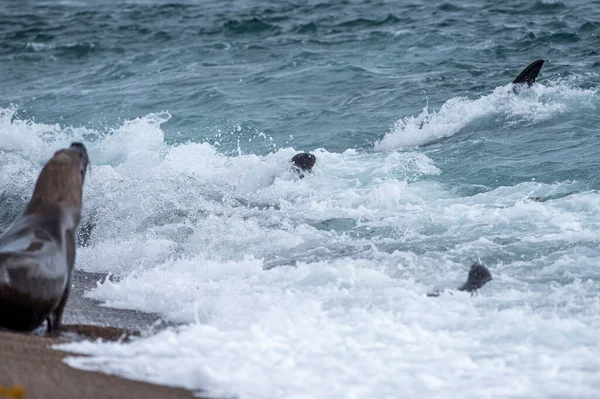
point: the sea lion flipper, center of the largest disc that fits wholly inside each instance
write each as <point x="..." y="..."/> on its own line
<point x="530" y="73"/>
<point x="54" y="319"/>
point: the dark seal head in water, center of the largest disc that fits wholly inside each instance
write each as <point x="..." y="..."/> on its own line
<point x="37" y="251"/>
<point x="479" y="275"/>
<point x="303" y="162"/>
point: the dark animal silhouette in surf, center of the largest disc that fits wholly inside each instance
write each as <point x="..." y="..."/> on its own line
<point x="479" y="275"/>
<point x="528" y="75"/>
<point x="303" y="162"/>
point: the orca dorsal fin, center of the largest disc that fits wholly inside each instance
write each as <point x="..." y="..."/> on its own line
<point x="529" y="74"/>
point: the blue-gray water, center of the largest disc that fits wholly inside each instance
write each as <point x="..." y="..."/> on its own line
<point x="427" y="161"/>
<point x="331" y="74"/>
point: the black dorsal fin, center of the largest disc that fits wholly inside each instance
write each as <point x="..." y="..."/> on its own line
<point x="529" y="74"/>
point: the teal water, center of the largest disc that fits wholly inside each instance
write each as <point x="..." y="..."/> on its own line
<point x="427" y="161"/>
<point x="332" y="75"/>
<point x="305" y="74"/>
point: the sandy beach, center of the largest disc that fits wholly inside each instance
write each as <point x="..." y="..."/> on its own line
<point x="29" y="363"/>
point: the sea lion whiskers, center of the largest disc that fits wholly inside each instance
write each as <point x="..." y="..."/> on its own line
<point x="87" y="167"/>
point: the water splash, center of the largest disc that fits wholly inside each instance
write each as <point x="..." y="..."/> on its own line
<point x="534" y="105"/>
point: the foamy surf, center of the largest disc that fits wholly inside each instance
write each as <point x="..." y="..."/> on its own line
<point x="533" y="105"/>
<point x="282" y="287"/>
<point x="313" y="288"/>
<point x="349" y="328"/>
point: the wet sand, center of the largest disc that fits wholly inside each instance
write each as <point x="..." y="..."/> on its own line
<point x="28" y="362"/>
<point x="80" y="310"/>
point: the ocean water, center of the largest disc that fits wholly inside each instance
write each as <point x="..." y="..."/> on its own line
<point x="316" y="288"/>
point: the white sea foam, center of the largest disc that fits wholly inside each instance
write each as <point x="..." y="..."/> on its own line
<point x="36" y="46"/>
<point x="534" y="105"/>
<point x="347" y="329"/>
<point x="190" y="233"/>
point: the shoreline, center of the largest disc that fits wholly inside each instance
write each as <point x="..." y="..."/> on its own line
<point x="85" y="311"/>
<point x="30" y="362"/>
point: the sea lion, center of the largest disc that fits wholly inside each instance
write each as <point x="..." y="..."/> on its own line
<point x="37" y="251"/>
<point x="303" y="162"/>
<point x="479" y="275"/>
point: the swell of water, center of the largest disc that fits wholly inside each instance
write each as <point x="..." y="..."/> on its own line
<point x="530" y="107"/>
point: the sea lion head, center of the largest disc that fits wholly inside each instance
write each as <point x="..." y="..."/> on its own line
<point x="304" y="161"/>
<point x="60" y="184"/>
<point x="479" y="275"/>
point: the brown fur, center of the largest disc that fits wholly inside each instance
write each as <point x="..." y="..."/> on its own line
<point x="59" y="185"/>
<point x="50" y="220"/>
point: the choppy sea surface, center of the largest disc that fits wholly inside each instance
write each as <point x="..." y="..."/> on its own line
<point x="427" y="161"/>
